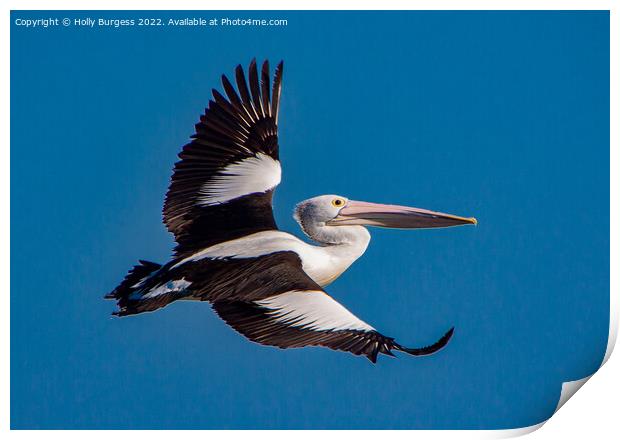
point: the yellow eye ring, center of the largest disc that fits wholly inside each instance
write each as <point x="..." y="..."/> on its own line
<point x="338" y="203"/>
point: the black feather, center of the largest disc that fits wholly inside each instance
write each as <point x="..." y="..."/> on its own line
<point x="243" y="91"/>
<point x="277" y="89"/>
<point x="264" y="82"/>
<point x="255" y="89"/>
<point x="430" y="349"/>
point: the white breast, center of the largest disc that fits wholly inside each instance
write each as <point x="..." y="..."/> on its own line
<point x="322" y="263"/>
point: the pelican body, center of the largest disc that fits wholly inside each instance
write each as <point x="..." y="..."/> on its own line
<point x="265" y="283"/>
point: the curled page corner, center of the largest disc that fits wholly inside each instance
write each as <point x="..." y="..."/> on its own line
<point x="569" y="388"/>
<point x="512" y="433"/>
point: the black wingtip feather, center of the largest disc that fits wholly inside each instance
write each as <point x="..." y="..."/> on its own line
<point x="255" y="89"/>
<point x="264" y="83"/>
<point x="430" y="349"/>
<point x="230" y="91"/>
<point x="372" y="357"/>
<point x="242" y="86"/>
<point x="277" y="87"/>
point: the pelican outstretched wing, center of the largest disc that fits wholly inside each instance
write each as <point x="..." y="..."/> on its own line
<point x="222" y="187"/>
<point x="291" y="311"/>
<point x="304" y="318"/>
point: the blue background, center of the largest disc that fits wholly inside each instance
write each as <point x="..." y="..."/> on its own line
<point x="503" y="116"/>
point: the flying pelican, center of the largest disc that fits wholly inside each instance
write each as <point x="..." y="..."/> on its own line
<point x="265" y="283"/>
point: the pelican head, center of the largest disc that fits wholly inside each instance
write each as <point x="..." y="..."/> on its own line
<point x="333" y="219"/>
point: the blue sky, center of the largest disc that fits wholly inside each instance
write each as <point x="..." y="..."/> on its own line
<point x="499" y="115"/>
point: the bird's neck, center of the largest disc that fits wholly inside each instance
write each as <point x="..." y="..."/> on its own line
<point x="346" y="252"/>
<point x="340" y="247"/>
<point x="345" y="238"/>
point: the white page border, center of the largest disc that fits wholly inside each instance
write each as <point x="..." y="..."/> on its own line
<point x="600" y="398"/>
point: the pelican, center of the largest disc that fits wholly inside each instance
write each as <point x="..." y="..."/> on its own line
<point x="265" y="283"/>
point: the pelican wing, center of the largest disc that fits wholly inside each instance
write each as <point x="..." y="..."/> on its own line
<point x="276" y="315"/>
<point x="222" y="187"/>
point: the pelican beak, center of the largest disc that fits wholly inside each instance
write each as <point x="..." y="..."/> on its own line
<point x="394" y="216"/>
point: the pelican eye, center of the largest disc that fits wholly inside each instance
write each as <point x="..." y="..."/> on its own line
<point x="338" y="203"/>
